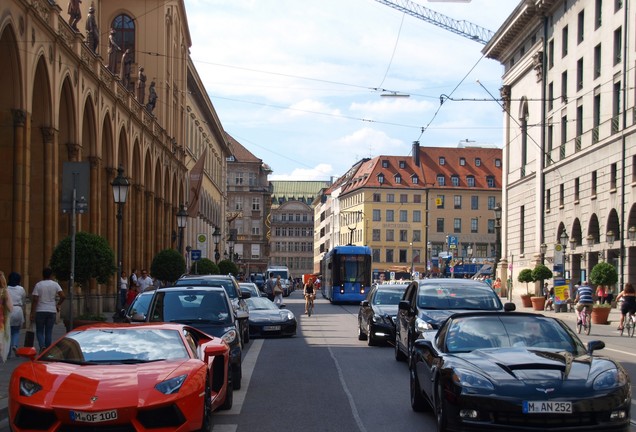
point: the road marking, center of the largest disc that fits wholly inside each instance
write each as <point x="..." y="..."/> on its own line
<point x="619" y="351"/>
<point x="224" y="428"/>
<point x="248" y="365"/>
<point x="352" y="404"/>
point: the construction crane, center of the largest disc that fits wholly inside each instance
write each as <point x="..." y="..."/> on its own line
<point x="460" y="27"/>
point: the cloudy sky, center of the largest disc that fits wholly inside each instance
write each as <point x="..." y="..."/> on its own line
<point x="300" y="82"/>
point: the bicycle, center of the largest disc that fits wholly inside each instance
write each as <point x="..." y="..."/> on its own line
<point x="629" y="324"/>
<point x="310" y="304"/>
<point x="584" y="322"/>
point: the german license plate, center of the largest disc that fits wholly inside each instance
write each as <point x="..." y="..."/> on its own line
<point x="547" y="407"/>
<point x="93" y="417"/>
<point x="271" y="328"/>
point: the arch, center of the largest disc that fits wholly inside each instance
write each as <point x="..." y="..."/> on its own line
<point x="631" y="219"/>
<point x="576" y="233"/>
<point x="613" y="224"/>
<point x="593" y="229"/>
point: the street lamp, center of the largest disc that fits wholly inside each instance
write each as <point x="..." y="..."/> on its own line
<point x="230" y="243"/>
<point x="497" y="211"/>
<point x="182" y="221"/>
<point x="631" y="232"/>
<point x="564" y="243"/>
<point x="216" y="237"/>
<point x="120" y="192"/>
<point x="610" y="237"/>
<point x="543" y="248"/>
<point x="411" y="244"/>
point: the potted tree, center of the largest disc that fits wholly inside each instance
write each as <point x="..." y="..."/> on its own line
<point x="525" y="276"/>
<point x="168" y="266"/>
<point x="228" y="267"/>
<point x="94" y="259"/>
<point x="204" y="266"/>
<point x="603" y="274"/>
<point x="539" y="274"/>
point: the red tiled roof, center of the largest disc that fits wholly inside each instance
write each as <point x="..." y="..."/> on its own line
<point x="240" y="153"/>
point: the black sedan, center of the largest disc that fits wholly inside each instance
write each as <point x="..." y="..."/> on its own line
<point x="516" y="372"/>
<point x="376" y="316"/>
<point x="267" y="319"/>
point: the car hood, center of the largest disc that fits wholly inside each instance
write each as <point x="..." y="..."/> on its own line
<point x="533" y="366"/>
<point x="390" y="310"/>
<point x="264" y="316"/>
<point x="108" y="386"/>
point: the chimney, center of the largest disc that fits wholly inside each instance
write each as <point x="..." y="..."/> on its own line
<point x="416" y="153"/>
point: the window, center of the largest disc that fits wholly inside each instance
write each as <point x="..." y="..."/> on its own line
<point x="390" y="235"/>
<point x="561" y="195"/>
<point x="238" y="178"/>
<point x="402" y="164"/>
<point x="550" y="96"/>
<point x="256" y="231"/>
<point x="618" y="45"/>
<point x="579" y="127"/>
<point x="477" y="162"/>
<point x="551" y="54"/>
<point x="252" y="179"/>
<point x="613" y="173"/>
<point x="457" y="201"/>
<point x="440" y="225"/>
<point x="377" y="216"/>
<point x="580" y="31"/>
<point x="417" y="216"/>
<point x="380" y="178"/>
<point x="498" y="163"/>
<point x="457" y="225"/>
<point x="417" y="235"/>
<point x="490" y="181"/>
<point x="390" y="198"/>
<point x="415" y="179"/>
<point x="474" y="202"/>
<point x="389" y="255"/>
<point x="474" y="224"/>
<point x="577" y="189"/>
<point x="442" y="160"/>
<point x="398" y="179"/>
<point x="564" y="87"/>
<point x="564" y="131"/>
<point x="376" y="235"/>
<point x="389" y="216"/>
<point x="441" y="181"/>
<point x="547" y="199"/>
<point x="593" y="185"/>
<point x="492" y="202"/>
<point x="404" y="235"/>
<point x="550" y="143"/>
<point x="402" y="255"/>
<point x="377" y="197"/>
<point x="616" y="105"/>
<point x="385" y="163"/>
<point x="404" y="216"/>
<point x="462" y="161"/>
<point x="124" y="36"/>
<point x="256" y="204"/>
<point x="404" y="198"/>
<point x="598" y="14"/>
<point x="470" y="181"/>
<point x="617" y="5"/>
<point x="597" y="61"/>
<point x="417" y="198"/>
<point x="564" y="41"/>
<point x="579" y="74"/>
<point x="376" y="255"/>
<point x="238" y="205"/>
<point x="455" y="180"/>
<point x="491" y="226"/>
<point x="439" y="201"/>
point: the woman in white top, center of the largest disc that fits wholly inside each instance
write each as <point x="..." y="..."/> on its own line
<point x="18" y="298"/>
<point x="123" y="289"/>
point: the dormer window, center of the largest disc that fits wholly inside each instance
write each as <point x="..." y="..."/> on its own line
<point x="462" y="161"/>
<point x="385" y="163"/>
<point x="415" y="179"/>
<point x="470" y="181"/>
<point x="477" y="162"/>
<point x="398" y="178"/>
<point x="442" y="160"/>
<point x="455" y="180"/>
<point x="380" y="178"/>
<point x="441" y="181"/>
<point x="498" y="163"/>
<point x="490" y="180"/>
<point x="402" y="164"/>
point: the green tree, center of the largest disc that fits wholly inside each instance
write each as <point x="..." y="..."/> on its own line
<point x="228" y="267"/>
<point x="168" y="265"/>
<point x="525" y="276"/>
<point x="604" y="274"/>
<point x="94" y="258"/>
<point x="204" y="266"/>
<point x="541" y="273"/>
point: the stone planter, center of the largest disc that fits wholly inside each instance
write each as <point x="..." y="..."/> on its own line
<point x="525" y="300"/>
<point x="600" y="315"/>
<point x="538" y="303"/>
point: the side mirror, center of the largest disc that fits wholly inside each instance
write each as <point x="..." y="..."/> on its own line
<point x="215" y="350"/>
<point x="422" y="344"/>
<point x="138" y="317"/>
<point x="510" y="307"/>
<point x="245" y="293"/>
<point x="594" y="345"/>
<point x="27" y="352"/>
<point x="364" y="303"/>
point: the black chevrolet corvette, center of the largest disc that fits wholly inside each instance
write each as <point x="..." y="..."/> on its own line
<point x="516" y="372"/>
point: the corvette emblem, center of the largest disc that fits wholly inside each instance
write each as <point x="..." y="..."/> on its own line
<point x="94" y="399"/>
<point x="545" y="390"/>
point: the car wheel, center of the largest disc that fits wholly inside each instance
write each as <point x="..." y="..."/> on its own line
<point x="399" y="355"/>
<point x="361" y="335"/>
<point x="229" y="393"/>
<point x="440" y="411"/>
<point x="206" y="421"/>
<point x="237" y="374"/>
<point x="418" y="403"/>
<point x="371" y="341"/>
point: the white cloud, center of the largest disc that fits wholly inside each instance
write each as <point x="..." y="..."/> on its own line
<point x="319" y="172"/>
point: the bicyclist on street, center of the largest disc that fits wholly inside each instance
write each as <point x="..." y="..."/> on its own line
<point x="309" y="292"/>
<point x="628" y="306"/>
<point x="584" y="299"/>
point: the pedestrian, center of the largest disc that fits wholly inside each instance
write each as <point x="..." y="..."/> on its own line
<point x="6" y="307"/>
<point x="546" y="291"/>
<point x="549" y="304"/>
<point x="145" y="281"/>
<point x="269" y="287"/>
<point x="309" y="292"/>
<point x="44" y="307"/>
<point x="609" y="294"/>
<point x="600" y="294"/>
<point x="123" y="289"/>
<point x="278" y="292"/>
<point x="134" y="280"/>
<point x="497" y="286"/>
<point x="628" y="303"/>
<point x="18" y="298"/>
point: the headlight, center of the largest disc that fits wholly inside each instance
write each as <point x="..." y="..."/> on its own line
<point x="288" y="315"/>
<point x="377" y="318"/>
<point x="470" y="379"/>
<point x="610" y="379"/>
<point x="229" y="336"/>
<point x="421" y="325"/>
<point x="172" y="385"/>
<point x="29" y="388"/>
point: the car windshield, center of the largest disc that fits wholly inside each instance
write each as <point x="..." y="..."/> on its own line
<point x="465" y="297"/>
<point x="192" y="307"/>
<point x="388" y="296"/>
<point x="106" y="345"/>
<point x="260" y="303"/>
<point x="228" y="284"/>
<point x="465" y="334"/>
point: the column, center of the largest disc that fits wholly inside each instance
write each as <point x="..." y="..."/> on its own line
<point x="150" y="226"/>
<point x="19" y="236"/>
<point x="51" y="218"/>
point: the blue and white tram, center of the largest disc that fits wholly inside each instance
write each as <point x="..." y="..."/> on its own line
<point x="346" y="274"/>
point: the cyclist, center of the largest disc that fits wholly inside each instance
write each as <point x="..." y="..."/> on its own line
<point x="584" y="300"/>
<point x="309" y="292"/>
<point x="628" y="306"/>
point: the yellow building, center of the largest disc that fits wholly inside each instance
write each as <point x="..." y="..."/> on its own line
<point x="62" y="101"/>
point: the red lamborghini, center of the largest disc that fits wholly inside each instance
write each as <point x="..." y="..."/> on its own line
<point x="119" y="377"/>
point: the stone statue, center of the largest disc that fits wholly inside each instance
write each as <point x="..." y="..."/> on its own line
<point x="152" y="97"/>
<point x="92" y="32"/>
<point x="126" y="66"/>
<point x="113" y="48"/>
<point x="141" y="85"/>
<point x="75" y="13"/>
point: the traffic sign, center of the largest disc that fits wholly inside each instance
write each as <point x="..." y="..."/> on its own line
<point x="195" y="254"/>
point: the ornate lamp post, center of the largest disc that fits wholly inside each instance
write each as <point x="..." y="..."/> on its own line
<point x="564" y="243"/>
<point x="543" y="249"/>
<point x="120" y="192"/>
<point x="216" y="237"/>
<point x="182" y="221"/>
<point x="631" y="232"/>
<point x="497" y="211"/>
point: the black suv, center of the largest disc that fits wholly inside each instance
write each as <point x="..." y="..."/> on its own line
<point x="233" y="291"/>
<point x="208" y="309"/>
<point x="427" y="303"/>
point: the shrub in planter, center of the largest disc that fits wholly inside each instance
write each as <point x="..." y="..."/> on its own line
<point x="525" y="276"/>
<point x="541" y="273"/>
<point x="168" y="265"/>
<point x="204" y="266"/>
<point x="228" y="267"/>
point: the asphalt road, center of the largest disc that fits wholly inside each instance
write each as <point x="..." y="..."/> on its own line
<point x="324" y="379"/>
